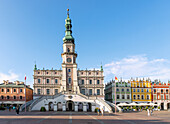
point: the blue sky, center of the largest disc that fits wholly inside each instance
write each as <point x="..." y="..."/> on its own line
<point x="130" y="37"/>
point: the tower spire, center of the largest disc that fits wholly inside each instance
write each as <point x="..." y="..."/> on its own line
<point x="68" y="32"/>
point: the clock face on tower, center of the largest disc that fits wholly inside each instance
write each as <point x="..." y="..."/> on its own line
<point x="68" y="59"/>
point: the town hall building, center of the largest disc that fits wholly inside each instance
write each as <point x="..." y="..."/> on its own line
<point x="68" y="88"/>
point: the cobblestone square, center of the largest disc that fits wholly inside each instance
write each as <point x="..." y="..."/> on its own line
<point x="83" y="118"/>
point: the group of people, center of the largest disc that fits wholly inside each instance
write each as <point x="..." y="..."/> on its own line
<point x="101" y="109"/>
<point x="150" y="112"/>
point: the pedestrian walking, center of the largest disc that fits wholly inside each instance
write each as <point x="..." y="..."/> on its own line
<point x="102" y="110"/>
<point x="17" y="110"/>
<point x="98" y="111"/>
<point x="148" y="112"/>
<point x="151" y="112"/>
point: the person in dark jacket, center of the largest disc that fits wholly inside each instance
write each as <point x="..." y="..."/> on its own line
<point x="17" y="110"/>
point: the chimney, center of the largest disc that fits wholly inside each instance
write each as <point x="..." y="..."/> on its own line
<point x="28" y="86"/>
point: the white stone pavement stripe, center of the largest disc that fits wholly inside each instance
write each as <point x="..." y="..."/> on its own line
<point x="70" y="119"/>
<point x="101" y="122"/>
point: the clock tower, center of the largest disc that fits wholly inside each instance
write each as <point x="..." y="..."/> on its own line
<point x="69" y="65"/>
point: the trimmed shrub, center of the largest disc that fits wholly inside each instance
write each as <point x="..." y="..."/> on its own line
<point x="42" y="109"/>
<point x="159" y="107"/>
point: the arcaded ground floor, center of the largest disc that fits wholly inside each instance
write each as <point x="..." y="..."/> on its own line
<point x="83" y="118"/>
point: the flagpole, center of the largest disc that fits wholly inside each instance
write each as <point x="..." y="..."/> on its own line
<point x="25" y="93"/>
<point x="115" y="96"/>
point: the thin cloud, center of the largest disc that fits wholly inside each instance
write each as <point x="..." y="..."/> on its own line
<point x="11" y="76"/>
<point x="138" y="66"/>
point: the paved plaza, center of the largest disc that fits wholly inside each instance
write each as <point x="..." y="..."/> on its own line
<point x="82" y="118"/>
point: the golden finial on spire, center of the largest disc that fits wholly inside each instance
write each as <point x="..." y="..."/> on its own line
<point x="68" y="12"/>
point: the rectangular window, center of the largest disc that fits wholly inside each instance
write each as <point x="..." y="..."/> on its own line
<point x="123" y="97"/>
<point x="134" y="90"/>
<point x="90" y="91"/>
<point x="117" y="90"/>
<point x="90" y="82"/>
<point x="147" y="96"/>
<point x="127" y="90"/>
<point x="166" y="97"/>
<point x="138" y="90"/>
<point x="39" y="81"/>
<point x="98" y="91"/>
<point x="69" y="80"/>
<point x="20" y="90"/>
<point x="82" y="81"/>
<point x="83" y="91"/>
<point x="56" y="91"/>
<point x="14" y="90"/>
<point x="38" y="91"/>
<point x="48" y="91"/>
<point x="98" y="81"/>
<point x="138" y="96"/>
<point x="128" y="97"/>
<point x="162" y="97"/>
<point x="117" y="96"/>
<point x="142" y="90"/>
<point x="56" y="81"/>
<point x="7" y="90"/>
<point x="134" y="96"/>
<point x="48" y="81"/>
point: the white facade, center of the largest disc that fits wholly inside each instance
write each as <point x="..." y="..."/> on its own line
<point x="61" y="89"/>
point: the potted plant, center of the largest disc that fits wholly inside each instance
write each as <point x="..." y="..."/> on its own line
<point x="159" y="108"/>
<point x="127" y="108"/>
<point x="146" y="108"/>
<point x="134" y="108"/>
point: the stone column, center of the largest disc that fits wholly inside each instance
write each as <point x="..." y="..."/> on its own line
<point x="64" y="107"/>
<point x="93" y="107"/>
<point x="84" y="107"/>
<point x="76" y="108"/>
<point x="55" y="107"/>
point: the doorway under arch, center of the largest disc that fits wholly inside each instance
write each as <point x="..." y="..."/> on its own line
<point x="70" y="105"/>
<point x="51" y="106"/>
<point x="89" y="106"/>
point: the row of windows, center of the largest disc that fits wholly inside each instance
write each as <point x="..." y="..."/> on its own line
<point x="47" y="91"/>
<point x="141" y="97"/>
<point x="161" y="90"/>
<point x="123" y="90"/>
<point x="48" y="72"/>
<point x="142" y="90"/>
<point x="14" y="97"/>
<point x="123" y="97"/>
<point x="89" y="73"/>
<point x="47" y="81"/>
<point x="8" y="90"/>
<point x="90" y="92"/>
<point x="90" y="81"/>
<point x="162" y="97"/>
